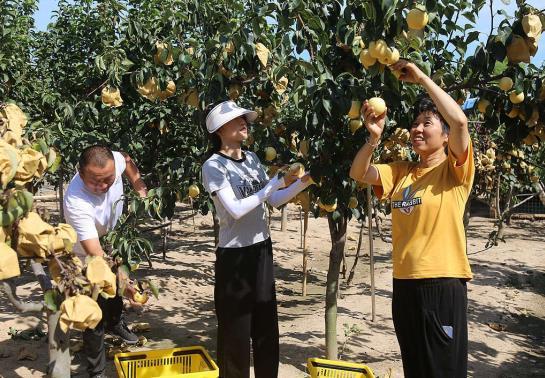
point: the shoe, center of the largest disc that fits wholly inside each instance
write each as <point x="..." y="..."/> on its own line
<point x="122" y="331"/>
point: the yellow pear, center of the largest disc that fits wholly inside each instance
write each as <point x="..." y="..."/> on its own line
<point x="532" y="26"/>
<point x="158" y="59"/>
<point x="513" y="113"/>
<point x="505" y="83"/>
<point x="270" y="153"/>
<point x="518" y="50"/>
<point x="194" y="191"/>
<point x="355" y="124"/>
<point x="516" y="98"/>
<point x="378" y="105"/>
<point x="140" y="298"/>
<point x="355" y="108"/>
<point x="417" y="19"/>
<point x="378" y="49"/>
<point x="482" y="105"/>
<point x="366" y="59"/>
<point x="392" y="56"/>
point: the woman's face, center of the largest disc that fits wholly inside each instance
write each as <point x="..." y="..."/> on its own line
<point x="427" y="134"/>
<point x="234" y="131"/>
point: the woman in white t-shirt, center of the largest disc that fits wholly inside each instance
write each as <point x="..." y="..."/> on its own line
<point x="244" y="292"/>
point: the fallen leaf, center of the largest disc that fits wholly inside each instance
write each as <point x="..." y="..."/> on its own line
<point x="140" y="327"/>
<point x="497" y="326"/>
<point x="142" y="341"/>
<point x="112" y="351"/>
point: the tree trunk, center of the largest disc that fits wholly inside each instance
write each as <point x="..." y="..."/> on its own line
<point x="540" y="189"/>
<point x="284" y="221"/>
<point x="305" y="253"/>
<point x="371" y="250"/>
<point x="59" y="347"/>
<point x="58" y="341"/>
<point x="59" y="344"/>
<point x="61" y="194"/>
<point x="500" y="231"/>
<point x="357" y="257"/>
<point x="337" y="230"/>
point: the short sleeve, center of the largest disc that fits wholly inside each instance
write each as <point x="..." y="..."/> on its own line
<point x="465" y="171"/>
<point x="78" y="214"/>
<point x="120" y="163"/>
<point x="214" y="176"/>
<point x="389" y="174"/>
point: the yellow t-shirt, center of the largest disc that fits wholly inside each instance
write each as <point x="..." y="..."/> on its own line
<point x="427" y="216"/>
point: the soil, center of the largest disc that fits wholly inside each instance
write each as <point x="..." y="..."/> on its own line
<point x="506" y="301"/>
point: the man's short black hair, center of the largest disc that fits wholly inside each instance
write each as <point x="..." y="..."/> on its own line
<point x="96" y="155"/>
<point x="424" y="105"/>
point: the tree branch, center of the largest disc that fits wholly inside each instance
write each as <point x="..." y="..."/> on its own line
<point x="540" y="192"/>
<point x="473" y="85"/>
<point x="491" y="17"/>
<point x="452" y="31"/>
<point x="311" y="49"/>
<point x="39" y="272"/>
<point x="9" y="287"/>
<point x="523" y="201"/>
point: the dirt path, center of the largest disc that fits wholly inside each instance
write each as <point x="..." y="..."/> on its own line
<point x="507" y="293"/>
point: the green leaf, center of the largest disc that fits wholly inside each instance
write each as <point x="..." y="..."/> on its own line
<point x="127" y="64"/>
<point x="51" y="300"/>
<point x="153" y="287"/>
<point x="327" y="105"/>
<point x="56" y="164"/>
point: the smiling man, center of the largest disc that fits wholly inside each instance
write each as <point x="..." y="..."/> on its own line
<point x="92" y="205"/>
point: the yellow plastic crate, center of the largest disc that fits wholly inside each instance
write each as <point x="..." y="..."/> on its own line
<point x="188" y="362"/>
<point x="318" y="367"/>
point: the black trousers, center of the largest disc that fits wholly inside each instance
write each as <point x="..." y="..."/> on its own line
<point x="430" y="320"/>
<point x="245" y="299"/>
<point x="93" y="339"/>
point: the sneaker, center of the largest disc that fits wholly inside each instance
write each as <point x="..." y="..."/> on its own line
<point x="122" y="331"/>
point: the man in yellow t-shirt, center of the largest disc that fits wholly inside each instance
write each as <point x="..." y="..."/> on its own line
<point x="428" y="197"/>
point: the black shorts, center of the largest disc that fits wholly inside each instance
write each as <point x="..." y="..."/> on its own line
<point x="430" y="320"/>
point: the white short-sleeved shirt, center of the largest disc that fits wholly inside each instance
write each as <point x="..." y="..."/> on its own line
<point x="93" y="215"/>
<point x="246" y="177"/>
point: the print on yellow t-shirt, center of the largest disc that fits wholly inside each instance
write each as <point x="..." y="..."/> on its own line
<point x="409" y="201"/>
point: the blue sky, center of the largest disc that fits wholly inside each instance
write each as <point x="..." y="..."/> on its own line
<point x="47" y="7"/>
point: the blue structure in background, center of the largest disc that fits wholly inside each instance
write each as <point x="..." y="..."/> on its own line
<point x="469" y="104"/>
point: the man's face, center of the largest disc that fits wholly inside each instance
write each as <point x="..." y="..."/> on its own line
<point x="98" y="180"/>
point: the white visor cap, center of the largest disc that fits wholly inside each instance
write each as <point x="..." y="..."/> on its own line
<point x="225" y="112"/>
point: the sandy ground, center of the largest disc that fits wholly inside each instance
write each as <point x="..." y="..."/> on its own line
<point x="508" y="290"/>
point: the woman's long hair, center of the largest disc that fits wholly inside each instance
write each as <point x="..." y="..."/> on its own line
<point x="214" y="140"/>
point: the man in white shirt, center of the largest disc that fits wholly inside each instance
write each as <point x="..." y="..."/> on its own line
<point x="92" y="206"/>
